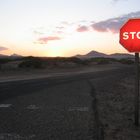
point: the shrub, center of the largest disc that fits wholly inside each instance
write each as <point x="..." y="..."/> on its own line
<point x="4" y="60"/>
<point x="126" y="61"/>
<point x="101" y="60"/>
<point x="31" y="63"/>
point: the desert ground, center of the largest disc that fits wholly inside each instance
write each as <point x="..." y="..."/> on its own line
<point x="88" y="103"/>
<point x="27" y="74"/>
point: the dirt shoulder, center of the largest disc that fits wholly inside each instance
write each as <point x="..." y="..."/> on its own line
<point x="116" y="109"/>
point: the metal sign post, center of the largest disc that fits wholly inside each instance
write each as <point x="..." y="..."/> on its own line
<point x="130" y="40"/>
<point x="137" y="90"/>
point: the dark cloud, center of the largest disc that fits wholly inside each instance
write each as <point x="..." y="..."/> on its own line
<point x="3" y="48"/>
<point x="82" y="29"/>
<point x="45" y="40"/>
<point x="114" y="24"/>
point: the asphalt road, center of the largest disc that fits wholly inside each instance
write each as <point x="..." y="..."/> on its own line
<point x="58" y="108"/>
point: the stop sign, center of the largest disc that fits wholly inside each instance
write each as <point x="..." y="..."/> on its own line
<point x="130" y="35"/>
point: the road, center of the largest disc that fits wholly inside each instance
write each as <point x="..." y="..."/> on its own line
<point x="58" y="108"/>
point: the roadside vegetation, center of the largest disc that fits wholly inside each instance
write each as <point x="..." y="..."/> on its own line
<point x="126" y="61"/>
<point x="101" y="60"/>
<point x="66" y="62"/>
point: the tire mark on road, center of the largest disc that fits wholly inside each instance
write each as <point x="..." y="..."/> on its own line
<point x="98" y="131"/>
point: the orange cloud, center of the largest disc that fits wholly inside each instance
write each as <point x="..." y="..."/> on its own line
<point x="82" y="29"/>
<point x="45" y="40"/>
<point x="3" y="48"/>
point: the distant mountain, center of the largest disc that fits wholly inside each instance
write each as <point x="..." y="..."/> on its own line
<point x="3" y="56"/>
<point x="121" y="55"/>
<point x="14" y="55"/>
<point x="95" y="54"/>
<point x="91" y="55"/>
<point x="10" y="56"/>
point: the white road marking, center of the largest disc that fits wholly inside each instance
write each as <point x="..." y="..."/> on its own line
<point x="10" y="136"/>
<point x="5" y="105"/>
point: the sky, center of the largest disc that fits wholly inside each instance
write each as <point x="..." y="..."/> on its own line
<point x="63" y="27"/>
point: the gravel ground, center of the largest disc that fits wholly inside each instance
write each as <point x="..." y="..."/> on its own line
<point x="26" y="74"/>
<point x="116" y="110"/>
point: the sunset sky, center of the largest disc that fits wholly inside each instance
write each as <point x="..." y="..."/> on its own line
<point x="63" y="27"/>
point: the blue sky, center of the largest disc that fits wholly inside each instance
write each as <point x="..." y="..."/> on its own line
<point x="49" y="27"/>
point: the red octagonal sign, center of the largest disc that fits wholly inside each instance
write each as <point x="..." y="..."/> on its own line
<point x="130" y="35"/>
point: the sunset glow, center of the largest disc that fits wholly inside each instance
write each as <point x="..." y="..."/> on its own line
<point x="63" y="28"/>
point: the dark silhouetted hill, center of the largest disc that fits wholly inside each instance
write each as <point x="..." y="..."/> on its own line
<point x="95" y="54"/>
